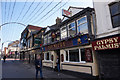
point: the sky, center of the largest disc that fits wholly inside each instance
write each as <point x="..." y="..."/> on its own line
<point x="40" y="13"/>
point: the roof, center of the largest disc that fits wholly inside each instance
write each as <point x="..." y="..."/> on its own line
<point x="34" y="27"/>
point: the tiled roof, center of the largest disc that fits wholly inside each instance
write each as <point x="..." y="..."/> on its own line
<point x="34" y="27"/>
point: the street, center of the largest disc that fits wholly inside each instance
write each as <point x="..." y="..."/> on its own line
<point x="19" y="70"/>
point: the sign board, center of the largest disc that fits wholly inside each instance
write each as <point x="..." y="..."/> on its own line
<point x="69" y="43"/>
<point x="110" y="43"/>
<point x="66" y="13"/>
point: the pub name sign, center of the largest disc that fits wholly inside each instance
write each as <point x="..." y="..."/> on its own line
<point x="110" y="43"/>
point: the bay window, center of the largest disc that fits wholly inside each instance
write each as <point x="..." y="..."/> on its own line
<point x="63" y="32"/>
<point x="71" y="29"/>
<point x="82" y="26"/>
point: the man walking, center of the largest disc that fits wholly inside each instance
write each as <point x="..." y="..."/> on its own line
<point x="38" y="66"/>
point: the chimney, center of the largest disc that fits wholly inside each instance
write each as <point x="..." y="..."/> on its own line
<point x="58" y="20"/>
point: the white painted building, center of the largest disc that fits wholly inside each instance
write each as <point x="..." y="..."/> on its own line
<point x="107" y="40"/>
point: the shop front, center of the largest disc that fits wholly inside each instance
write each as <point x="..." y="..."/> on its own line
<point x="75" y="54"/>
<point x="108" y="56"/>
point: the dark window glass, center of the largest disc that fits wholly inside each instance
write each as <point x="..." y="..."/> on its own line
<point x="115" y="14"/>
<point x="74" y="55"/>
<point x="116" y="20"/>
<point x="82" y="54"/>
<point x="47" y="56"/>
<point x="115" y="8"/>
<point x="66" y="55"/>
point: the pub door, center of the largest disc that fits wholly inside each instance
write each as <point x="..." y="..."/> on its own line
<point x="58" y="55"/>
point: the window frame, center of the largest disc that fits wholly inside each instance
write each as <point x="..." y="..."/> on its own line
<point x="62" y="31"/>
<point x="113" y="15"/>
<point x="80" y="61"/>
<point x="45" y="56"/>
<point x="71" y="28"/>
<point x="86" y="22"/>
<point x="45" y="38"/>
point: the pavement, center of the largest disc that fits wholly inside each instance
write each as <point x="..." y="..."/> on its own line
<point x="15" y="69"/>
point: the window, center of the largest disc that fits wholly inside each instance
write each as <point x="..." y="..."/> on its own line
<point x="63" y="32"/>
<point x="49" y="38"/>
<point x="74" y="55"/>
<point x="115" y="14"/>
<point x="71" y="29"/>
<point x="57" y="35"/>
<point x="45" y="39"/>
<point x="66" y="55"/>
<point x="82" y="26"/>
<point x="82" y="54"/>
<point x="47" y="56"/>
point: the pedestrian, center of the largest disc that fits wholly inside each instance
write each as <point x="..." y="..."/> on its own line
<point x="38" y="66"/>
<point x="4" y="58"/>
<point x="58" y="63"/>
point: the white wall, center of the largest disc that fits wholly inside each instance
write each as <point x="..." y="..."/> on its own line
<point x="103" y="17"/>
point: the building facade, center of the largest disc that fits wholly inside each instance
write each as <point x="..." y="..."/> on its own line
<point x="70" y="40"/>
<point x="107" y="39"/>
<point x="31" y="41"/>
<point x="13" y="49"/>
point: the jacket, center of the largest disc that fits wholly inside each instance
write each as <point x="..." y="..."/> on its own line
<point x="38" y="63"/>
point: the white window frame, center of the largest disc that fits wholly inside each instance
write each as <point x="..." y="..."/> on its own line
<point x="45" y="55"/>
<point x="62" y="31"/>
<point x="49" y="37"/>
<point x="45" y="38"/>
<point x="71" y="28"/>
<point x="80" y="61"/>
<point x="82" y="24"/>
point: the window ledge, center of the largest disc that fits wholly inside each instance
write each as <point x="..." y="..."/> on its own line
<point x="75" y="62"/>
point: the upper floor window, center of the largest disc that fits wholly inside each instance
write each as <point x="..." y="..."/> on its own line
<point x="49" y="38"/>
<point x="57" y="35"/>
<point x="63" y="32"/>
<point x="82" y="26"/>
<point x="71" y="29"/>
<point x="45" y="39"/>
<point x="115" y="14"/>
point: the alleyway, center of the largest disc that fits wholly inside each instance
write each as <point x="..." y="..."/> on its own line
<point x="18" y="69"/>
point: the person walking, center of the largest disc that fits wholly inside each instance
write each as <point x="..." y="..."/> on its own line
<point x="38" y="66"/>
<point x="58" y="63"/>
<point x="4" y="58"/>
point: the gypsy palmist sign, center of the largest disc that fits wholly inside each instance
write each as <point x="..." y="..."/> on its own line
<point x="110" y="43"/>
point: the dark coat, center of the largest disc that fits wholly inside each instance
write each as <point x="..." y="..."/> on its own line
<point x="4" y="57"/>
<point x="58" y="61"/>
<point x="38" y="63"/>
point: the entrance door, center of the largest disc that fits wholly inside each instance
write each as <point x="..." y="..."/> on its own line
<point x="58" y="55"/>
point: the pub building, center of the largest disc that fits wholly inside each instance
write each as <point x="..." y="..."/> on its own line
<point x="70" y="40"/>
<point x="30" y="43"/>
<point x="106" y="44"/>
